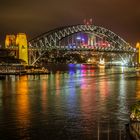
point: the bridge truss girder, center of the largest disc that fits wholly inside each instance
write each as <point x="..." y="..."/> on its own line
<point x="49" y="41"/>
<point x="124" y="57"/>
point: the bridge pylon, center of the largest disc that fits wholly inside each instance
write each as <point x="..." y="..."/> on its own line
<point x="21" y="41"/>
<point x="138" y="47"/>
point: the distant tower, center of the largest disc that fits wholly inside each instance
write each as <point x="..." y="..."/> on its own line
<point x="88" y="22"/>
<point x="10" y="41"/>
<point x="90" y="39"/>
<point x="21" y="42"/>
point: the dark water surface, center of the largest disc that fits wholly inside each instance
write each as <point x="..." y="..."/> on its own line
<point x="80" y="103"/>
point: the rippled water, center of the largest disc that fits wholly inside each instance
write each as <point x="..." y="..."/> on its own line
<point x="78" y="103"/>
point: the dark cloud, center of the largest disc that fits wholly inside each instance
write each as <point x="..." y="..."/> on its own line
<point x="37" y="16"/>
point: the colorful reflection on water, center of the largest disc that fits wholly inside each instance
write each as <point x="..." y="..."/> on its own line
<point x="80" y="103"/>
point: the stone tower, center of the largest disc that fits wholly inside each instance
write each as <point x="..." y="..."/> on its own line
<point x="21" y="42"/>
<point x="10" y="41"/>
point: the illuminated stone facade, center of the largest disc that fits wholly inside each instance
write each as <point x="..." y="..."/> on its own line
<point x="138" y="47"/>
<point x="10" y="41"/>
<point x="20" y="41"/>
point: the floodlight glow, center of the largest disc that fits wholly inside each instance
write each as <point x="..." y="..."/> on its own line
<point x="83" y="39"/>
<point x="78" y="38"/>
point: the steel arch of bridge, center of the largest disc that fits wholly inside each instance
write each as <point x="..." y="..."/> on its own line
<point x="48" y="40"/>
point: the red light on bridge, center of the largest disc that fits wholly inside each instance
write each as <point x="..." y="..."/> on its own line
<point x="88" y="22"/>
<point x="103" y="44"/>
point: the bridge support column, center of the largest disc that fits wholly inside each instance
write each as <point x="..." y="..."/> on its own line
<point x="21" y="41"/>
<point x="138" y="47"/>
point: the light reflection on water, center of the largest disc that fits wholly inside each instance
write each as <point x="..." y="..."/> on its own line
<point x="74" y="104"/>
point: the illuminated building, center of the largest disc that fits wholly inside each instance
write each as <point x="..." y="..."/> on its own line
<point x="90" y="40"/>
<point x="10" y="64"/>
<point x="10" y="41"/>
<point x="21" y="42"/>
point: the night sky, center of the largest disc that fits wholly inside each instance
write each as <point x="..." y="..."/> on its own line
<point x="35" y="17"/>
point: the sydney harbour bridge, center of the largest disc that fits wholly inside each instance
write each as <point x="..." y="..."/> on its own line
<point x="80" y="44"/>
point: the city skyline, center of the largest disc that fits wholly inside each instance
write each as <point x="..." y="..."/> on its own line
<point x="36" y="17"/>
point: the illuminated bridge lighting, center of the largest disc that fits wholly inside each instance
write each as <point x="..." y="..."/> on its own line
<point x="77" y="44"/>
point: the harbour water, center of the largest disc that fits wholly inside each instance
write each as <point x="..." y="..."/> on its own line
<point x="74" y="102"/>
